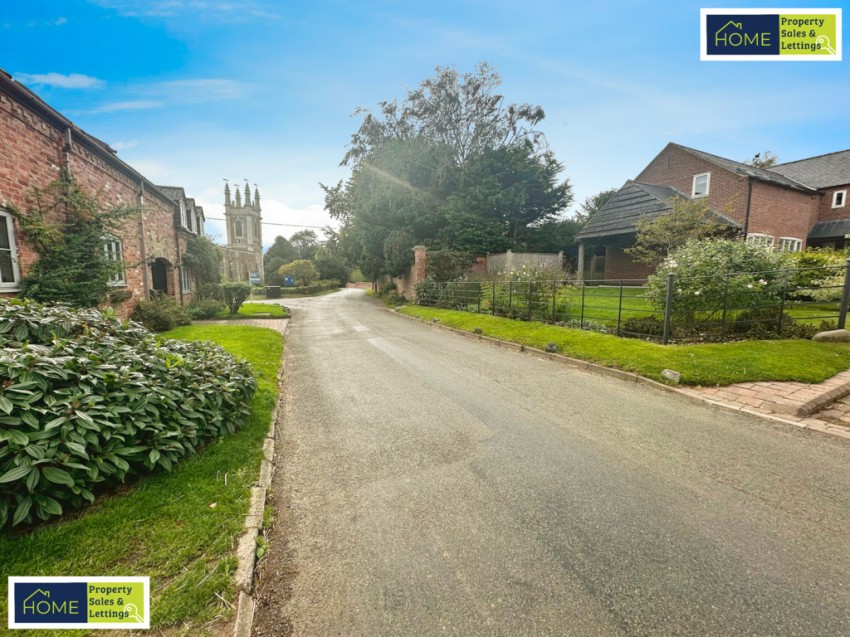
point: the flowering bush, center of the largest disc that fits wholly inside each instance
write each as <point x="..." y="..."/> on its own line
<point x="713" y="274"/>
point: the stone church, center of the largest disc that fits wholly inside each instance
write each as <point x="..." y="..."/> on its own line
<point x="242" y="258"/>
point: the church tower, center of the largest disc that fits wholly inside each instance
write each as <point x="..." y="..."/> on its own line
<point x="244" y="234"/>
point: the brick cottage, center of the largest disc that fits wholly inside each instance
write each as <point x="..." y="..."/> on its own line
<point x="788" y="206"/>
<point x="38" y="144"/>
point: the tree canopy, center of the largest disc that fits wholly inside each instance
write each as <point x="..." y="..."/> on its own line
<point x="452" y="166"/>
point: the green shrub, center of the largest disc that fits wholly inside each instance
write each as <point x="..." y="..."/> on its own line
<point x="206" y="309"/>
<point x="160" y="314"/>
<point x="272" y="291"/>
<point x="235" y="293"/>
<point x="711" y="273"/>
<point x="767" y="322"/>
<point x="87" y="400"/>
<point x="643" y="326"/>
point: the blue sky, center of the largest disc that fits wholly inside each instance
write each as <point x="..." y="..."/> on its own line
<point x="194" y="91"/>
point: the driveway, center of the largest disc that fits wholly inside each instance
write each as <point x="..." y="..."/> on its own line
<point x="429" y="484"/>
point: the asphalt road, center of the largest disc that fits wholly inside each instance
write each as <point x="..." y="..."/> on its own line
<point x="429" y="484"/>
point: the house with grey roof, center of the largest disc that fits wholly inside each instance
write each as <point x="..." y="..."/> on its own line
<point x="788" y="206"/>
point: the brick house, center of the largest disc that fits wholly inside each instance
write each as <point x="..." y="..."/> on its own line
<point x="788" y="206"/>
<point x="37" y="144"/>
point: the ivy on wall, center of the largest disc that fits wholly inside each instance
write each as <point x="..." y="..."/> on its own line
<point x="68" y="227"/>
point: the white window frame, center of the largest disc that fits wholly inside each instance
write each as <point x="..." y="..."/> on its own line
<point x="835" y="195"/>
<point x="15" y="283"/>
<point x="789" y="244"/>
<point x="185" y="280"/>
<point x="113" y="249"/>
<point x="760" y="238"/>
<point x="694" y="194"/>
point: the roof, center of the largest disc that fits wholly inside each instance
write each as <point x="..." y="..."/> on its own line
<point x="634" y="201"/>
<point x="175" y="193"/>
<point x="745" y="170"/>
<point x="830" y="229"/>
<point x="823" y="171"/>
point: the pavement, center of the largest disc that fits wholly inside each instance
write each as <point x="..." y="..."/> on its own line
<point x="821" y="407"/>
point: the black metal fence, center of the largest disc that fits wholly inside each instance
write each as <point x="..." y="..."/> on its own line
<point x="730" y="306"/>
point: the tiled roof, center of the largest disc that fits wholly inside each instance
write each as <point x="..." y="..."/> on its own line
<point x="830" y="229"/>
<point x="823" y="171"/>
<point x="175" y="193"/>
<point x="745" y="170"/>
<point x="632" y="202"/>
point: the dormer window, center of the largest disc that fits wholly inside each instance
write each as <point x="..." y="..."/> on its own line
<point x="701" y="184"/>
<point x="839" y="198"/>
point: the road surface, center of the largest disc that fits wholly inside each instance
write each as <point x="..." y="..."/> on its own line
<point x="428" y="484"/>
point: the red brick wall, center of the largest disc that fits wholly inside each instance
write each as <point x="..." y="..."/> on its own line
<point x="782" y="212"/>
<point x="32" y="152"/>
<point x="619" y="265"/>
<point x="826" y="212"/>
<point x="727" y="193"/>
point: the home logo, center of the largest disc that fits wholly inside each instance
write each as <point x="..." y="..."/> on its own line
<point x="770" y="34"/>
<point x="79" y="602"/>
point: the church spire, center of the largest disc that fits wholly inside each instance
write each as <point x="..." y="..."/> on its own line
<point x="226" y="193"/>
<point x="256" y="197"/>
<point x="238" y="198"/>
<point x="247" y="195"/>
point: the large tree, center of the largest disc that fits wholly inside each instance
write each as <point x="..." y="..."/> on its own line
<point x="593" y="204"/>
<point x="452" y="166"/>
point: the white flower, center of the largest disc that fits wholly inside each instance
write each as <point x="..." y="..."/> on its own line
<point x="673" y="263"/>
<point x="697" y="293"/>
<point x="750" y="285"/>
<point x="762" y="282"/>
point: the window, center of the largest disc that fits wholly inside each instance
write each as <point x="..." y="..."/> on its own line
<point x="9" y="276"/>
<point x="760" y="239"/>
<point x="789" y="244"/>
<point x="113" y="250"/>
<point x="839" y="197"/>
<point x="701" y="183"/>
<point x="185" y="279"/>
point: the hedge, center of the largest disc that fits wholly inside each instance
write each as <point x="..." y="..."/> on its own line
<point x="87" y="400"/>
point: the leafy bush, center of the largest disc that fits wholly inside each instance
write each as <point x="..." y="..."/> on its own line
<point x="235" y="293"/>
<point x="206" y="309"/>
<point x="713" y="273"/>
<point x="768" y="322"/>
<point x="643" y="326"/>
<point x="302" y="271"/>
<point x="87" y="400"/>
<point x="818" y="274"/>
<point x="272" y="291"/>
<point x="160" y="314"/>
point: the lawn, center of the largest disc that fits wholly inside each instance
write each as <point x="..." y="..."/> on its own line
<point x="256" y="310"/>
<point x="179" y="527"/>
<point x="705" y="364"/>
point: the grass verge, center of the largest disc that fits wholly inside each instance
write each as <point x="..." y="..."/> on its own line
<point x="179" y="527"/>
<point x="709" y="364"/>
<point x="256" y="310"/>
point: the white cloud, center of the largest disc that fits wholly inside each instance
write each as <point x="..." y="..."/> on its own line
<point x="196" y="90"/>
<point x="124" y="145"/>
<point x="72" y="81"/>
<point x="217" y="10"/>
<point x="129" y="105"/>
<point x="60" y="21"/>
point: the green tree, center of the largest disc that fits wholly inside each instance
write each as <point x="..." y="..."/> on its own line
<point x="73" y="267"/>
<point x="330" y="259"/>
<point x="305" y="242"/>
<point x="688" y="220"/>
<point x="278" y="254"/>
<point x="451" y="166"/>
<point x="763" y="160"/>
<point x="204" y="259"/>
<point x="303" y="271"/>
<point x="593" y="204"/>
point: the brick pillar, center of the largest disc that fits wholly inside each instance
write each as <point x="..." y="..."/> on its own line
<point x="420" y="260"/>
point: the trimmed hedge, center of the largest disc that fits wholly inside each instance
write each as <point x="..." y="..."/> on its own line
<point x="87" y="400"/>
